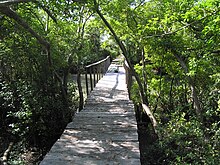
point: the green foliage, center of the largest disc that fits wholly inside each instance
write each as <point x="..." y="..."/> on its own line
<point x="180" y="40"/>
<point x="184" y="142"/>
<point x="177" y="39"/>
<point x="30" y="115"/>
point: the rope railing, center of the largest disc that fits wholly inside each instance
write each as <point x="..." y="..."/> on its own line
<point x="95" y="72"/>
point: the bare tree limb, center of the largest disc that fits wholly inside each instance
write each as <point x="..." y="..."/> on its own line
<point x="124" y="51"/>
<point x="140" y="4"/>
<point x="126" y="54"/>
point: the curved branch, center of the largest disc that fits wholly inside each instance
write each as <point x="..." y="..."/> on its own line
<point x="11" y="14"/>
<point x="7" y="3"/>
<point x="46" y="10"/>
<point x="124" y="51"/>
<point x="11" y="2"/>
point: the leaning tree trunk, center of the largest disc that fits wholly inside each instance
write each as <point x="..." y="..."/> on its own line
<point x="145" y="103"/>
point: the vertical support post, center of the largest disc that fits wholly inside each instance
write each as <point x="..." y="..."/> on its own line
<point x="106" y="66"/>
<point x="100" y="71"/>
<point x="87" y="85"/>
<point x="90" y="75"/>
<point x="97" y="73"/>
<point x="94" y="82"/>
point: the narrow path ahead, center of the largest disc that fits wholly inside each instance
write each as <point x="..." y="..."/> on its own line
<point x="104" y="132"/>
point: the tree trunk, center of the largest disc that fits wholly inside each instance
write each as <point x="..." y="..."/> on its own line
<point x="144" y="74"/>
<point x="195" y="97"/>
<point x="126" y="54"/>
<point x="171" y="94"/>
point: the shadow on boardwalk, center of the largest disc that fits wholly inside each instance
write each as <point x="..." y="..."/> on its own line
<point x="104" y="132"/>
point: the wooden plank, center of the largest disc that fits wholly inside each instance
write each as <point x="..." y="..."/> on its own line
<point x="100" y="120"/>
<point x="103" y="133"/>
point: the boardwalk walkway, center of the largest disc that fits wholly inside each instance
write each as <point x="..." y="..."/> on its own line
<point x="104" y="132"/>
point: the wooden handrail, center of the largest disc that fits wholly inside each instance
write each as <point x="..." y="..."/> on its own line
<point x="144" y="107"/>
<point x="95" y="71"/>
<point x="99" y="62"/>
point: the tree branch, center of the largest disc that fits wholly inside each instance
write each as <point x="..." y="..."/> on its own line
<point x="125" y="53"/>
<point x="11" y="14"/>
<point x="140" y="4"/>
<point x="183" y="27"/>
<point x="46" y="10"/>
<point x="11" y="2"/>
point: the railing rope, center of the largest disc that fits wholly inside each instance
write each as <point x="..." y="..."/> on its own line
<point x="95" y="71"/>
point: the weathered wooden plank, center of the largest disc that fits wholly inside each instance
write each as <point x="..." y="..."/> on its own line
<point x="100" y="134"/>
<point x="104" y="121"/>
<point x="95" y="152"/>
<point x="76" y="160"/>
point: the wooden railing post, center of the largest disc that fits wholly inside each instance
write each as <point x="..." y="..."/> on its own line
<point x="97" y="73"/>
<point x="87" y="85"/>
<point x="94" y="80"/>
<point x="90" y="75"/>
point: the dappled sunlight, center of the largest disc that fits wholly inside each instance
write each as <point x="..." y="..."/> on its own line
<point x="104" y="132"/>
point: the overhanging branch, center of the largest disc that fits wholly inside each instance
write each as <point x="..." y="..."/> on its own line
<point x="11" y="14"/>
<point x="7" y="3"/>
<point x="11" y="2"/>
<point x="183" y="27"/>
<point x="46" y="10"/>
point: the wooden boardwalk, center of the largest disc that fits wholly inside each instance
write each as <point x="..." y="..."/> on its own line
<point x="104" y="132"/>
